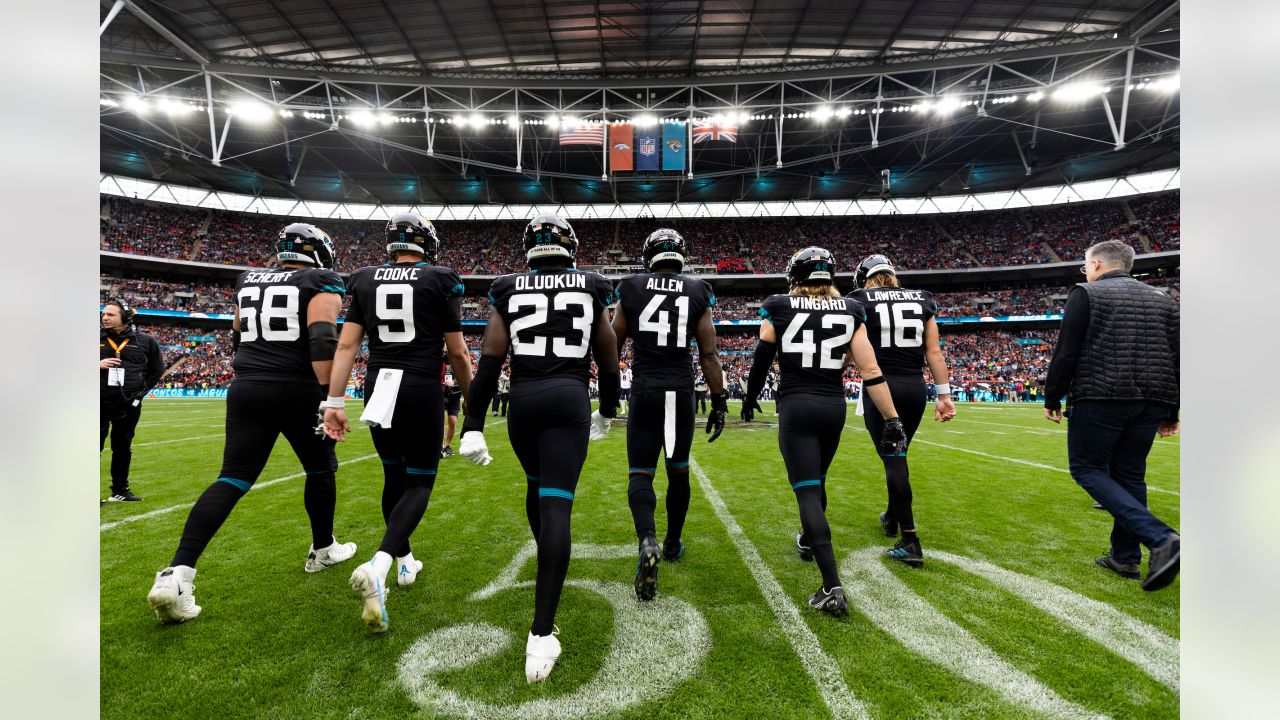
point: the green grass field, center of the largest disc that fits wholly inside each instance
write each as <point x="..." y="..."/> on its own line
<point x="1008" y="618"/>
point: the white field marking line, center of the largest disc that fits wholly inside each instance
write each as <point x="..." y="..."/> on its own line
<point x="1042" y="466"/>
<point x="824" y="671"/>
<point x="176" y="440"/>
<point x="896" y="609"/>
<point x="1141" y="644"/>
<point x="581" y="551"/>
<point x="177" y="425"/>
<point x="162" y="511"/>
<point x="1024" y="428"/>
<point x="646" y="636"/>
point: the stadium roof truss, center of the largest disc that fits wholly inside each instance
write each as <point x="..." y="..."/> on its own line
<point x="978" y="107"/>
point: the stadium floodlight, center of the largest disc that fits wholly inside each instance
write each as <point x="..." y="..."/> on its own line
<point x="362" y="118"/>
<point x="107" y="102"/>
<point x="175" y="108"/>
<point x="251" y="110"/>
<point x="513" y="120"/>
<point x="138" y="104"/>
<point x="475" y="120"/>
<point x="1078" y="91"/>
<point x="645" y="120"/>
<point x="946" y="105"/>
<point x="743" y="117"/>
<point x="1168" y="83"/>
<point x="1036" y="96"/>
<point x="569" y="121"/>
<point x="823" y="113"/>
<point x="843" y="112"/>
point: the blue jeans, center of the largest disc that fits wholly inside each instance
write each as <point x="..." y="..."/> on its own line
<point x="1107" y="446"/>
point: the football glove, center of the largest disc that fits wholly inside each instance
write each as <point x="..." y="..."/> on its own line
<point x="600" y="426"/>
<point x="319" y="428"/>
<point x="894" y="439"/>
<point x="474" y="448"/>
<point x="715" y="421"/>
<point x="750" y="408"/>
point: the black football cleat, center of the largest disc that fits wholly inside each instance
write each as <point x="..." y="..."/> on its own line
<point x="125" y="495"/>
<point x="647" y="570"/>
<point x="889" y="525"/>
<point x="672" y="553"/>
<point x="1162" y="566"/>
<point x="831" y="601"/>
<point x="1124" y="570"/>
<point x="907" y="552"/>
<point x="806" y="552"/>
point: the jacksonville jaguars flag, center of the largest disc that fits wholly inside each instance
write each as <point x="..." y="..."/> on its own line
<point x="647" y="143"/>
<point x="674" y="146"/>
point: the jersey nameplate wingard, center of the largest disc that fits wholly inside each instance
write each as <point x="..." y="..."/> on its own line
<point x="896" y="318"/>
<point x="813" y="340"/>
<point x="662" y="311"/>
<point x="551" y="316"/>
<point x="406" y="309"/>
<point x="274" y="339"/>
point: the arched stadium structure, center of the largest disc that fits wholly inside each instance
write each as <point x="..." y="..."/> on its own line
<point x="982" y="151"/>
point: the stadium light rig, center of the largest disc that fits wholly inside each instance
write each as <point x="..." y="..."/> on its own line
<point x="251" y="110"/>
<point x="1079" y="91"/>
<point x="138" y="105"/>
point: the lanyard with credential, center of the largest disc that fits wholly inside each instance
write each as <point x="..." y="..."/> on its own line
<point x="119" y="347"/>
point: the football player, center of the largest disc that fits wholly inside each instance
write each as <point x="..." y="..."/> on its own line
<point x="411" y="310"/>
<point x="552" y="319"/>
<point x="904" y="334"/>
<point x="452" y="408"/>
<point x="813" y="331"/>
<point x="662" y="311"/>
<point x="284" y="335"/>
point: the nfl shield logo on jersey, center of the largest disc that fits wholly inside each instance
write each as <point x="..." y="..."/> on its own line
<point x="386" y="375"/>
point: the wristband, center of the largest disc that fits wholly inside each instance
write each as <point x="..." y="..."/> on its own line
<point x="943" y="389"/>
<point x="337" y="402"/>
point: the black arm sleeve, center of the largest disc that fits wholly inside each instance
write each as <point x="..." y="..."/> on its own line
<point x="610" y="382"/>
<point x="483" y="387"/>
<point x="765" y="352"/>
<point x="324" y="340"/>
<point x="1062" y="368"/>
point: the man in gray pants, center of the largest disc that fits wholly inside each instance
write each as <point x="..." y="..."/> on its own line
<point x="1117" y="364"/>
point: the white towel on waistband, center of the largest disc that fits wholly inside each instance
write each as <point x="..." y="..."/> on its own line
<point x="379" y="409"/>
<point x="861" y="391"/>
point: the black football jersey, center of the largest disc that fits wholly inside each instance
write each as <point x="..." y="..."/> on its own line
<point x="406" y="308"/>
<point x="274" y="339"/>
<point x="895" y="326"/>
<point x="551" y="317"/>
<point x="813" y="338"/>
<point x="663" y="310"/>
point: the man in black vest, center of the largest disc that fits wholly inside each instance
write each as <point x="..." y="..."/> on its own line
<point x="130" y="364"/>
<point x="1117" y="364"/>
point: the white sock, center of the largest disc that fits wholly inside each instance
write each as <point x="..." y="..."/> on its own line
<point x="406" y="560"/>
<point x="381" y="563"/>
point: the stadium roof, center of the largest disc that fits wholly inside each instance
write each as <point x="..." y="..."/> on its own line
<point x="835" y="88"/>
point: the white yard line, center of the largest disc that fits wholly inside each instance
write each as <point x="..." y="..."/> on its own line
<point x="164" y="511"/>
<point x="1028" y="463"/>
<point x="177" y="440"/>
<point x="824" y="671"/>
<point x="1024" y="428"/>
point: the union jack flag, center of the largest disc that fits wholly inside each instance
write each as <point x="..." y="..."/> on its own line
<point x="703" y="131"/>
<point x="582" y="135"/>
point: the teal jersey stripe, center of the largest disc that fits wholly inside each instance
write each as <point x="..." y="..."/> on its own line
<point x="239" y="484"/>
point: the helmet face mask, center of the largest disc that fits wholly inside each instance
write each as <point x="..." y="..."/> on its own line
<point x="664" y="245"/>
<point x="870" y="266"/>
<point x="305" y="243"/>
<point x="410" y="232"/>
<point x="811" y="265"/>
<point x="547" y="237"/>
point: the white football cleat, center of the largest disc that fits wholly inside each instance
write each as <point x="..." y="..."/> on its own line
<point x="540" y="655"/>
<point x="365" y="580"/>
<point x="408" y="571"/>
<point x="318" y="560"/>
<point x="173" y="596"/>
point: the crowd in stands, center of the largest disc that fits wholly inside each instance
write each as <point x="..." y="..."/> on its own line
<point x="731" y="245"/>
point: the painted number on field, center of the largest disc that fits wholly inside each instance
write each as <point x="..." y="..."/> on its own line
<point x="646" y="636"/>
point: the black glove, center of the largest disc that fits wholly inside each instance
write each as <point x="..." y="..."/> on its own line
<point x="749" y="409"/>
<point x="719" y="409"/>
<point x="894" y="439"/>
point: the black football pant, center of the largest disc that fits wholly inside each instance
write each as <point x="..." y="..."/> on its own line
<point x="121" y="420"/>
<point x="659" y="421"/>
<point x="908" y="393"/>
<point x="809" y="428"/>
<point x="500" y="403"/>
<point x="257" y="413"/>
<point x="702" y="401"/>
<point x="410" y="454"/>
<point x="548" y="428"/>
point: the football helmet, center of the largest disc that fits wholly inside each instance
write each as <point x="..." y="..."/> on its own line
<point x="812" y="264"/>
<point x="872" y="265"/>
<point x="414" y="233"/>
<point x="664" y="245"/>
<point x="305" y="243"/>
<point x="547" y="236"/>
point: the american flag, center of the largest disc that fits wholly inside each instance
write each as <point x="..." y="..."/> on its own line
<point x="703" y="131"/>
<point x="583" y="135"/>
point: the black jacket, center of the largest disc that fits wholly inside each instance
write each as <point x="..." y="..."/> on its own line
<point x="1120" y="340"/>
<point x="139" y="356"/>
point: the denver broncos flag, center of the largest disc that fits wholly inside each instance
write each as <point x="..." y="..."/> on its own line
<point x="620" y="147"/>
<point x="647" y="153"/>
<point x="673" y="146"/>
